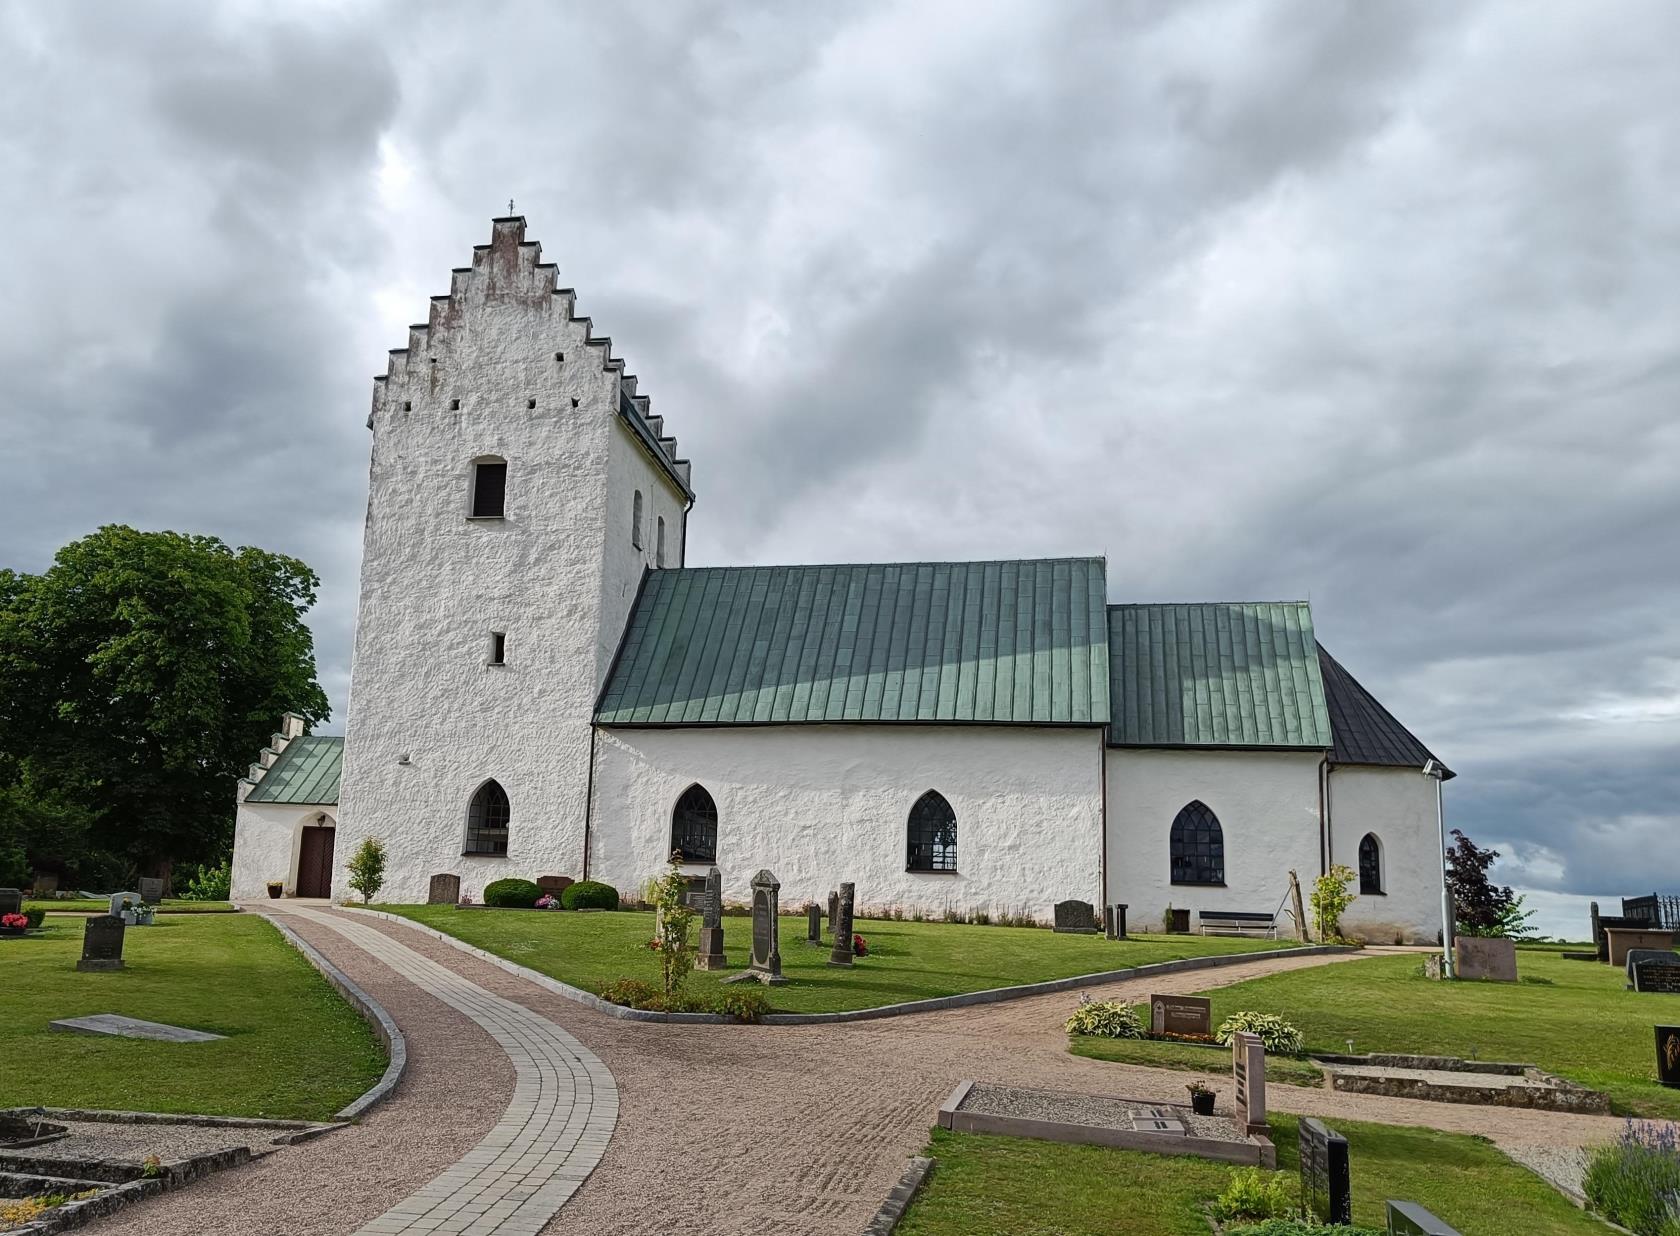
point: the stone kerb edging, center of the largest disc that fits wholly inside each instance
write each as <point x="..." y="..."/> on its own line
<point x="384" y="1028"/>
<point x="892" y="1210"/>
<point x="933" y="1004"/>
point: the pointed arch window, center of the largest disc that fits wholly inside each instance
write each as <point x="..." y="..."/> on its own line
<point x="694" y="826"/>
<point x="487" y="820"/>
<point x="1370" y="865"/>
<point x="932" y="835"/>
<point x="1198" y="846"/>
<point x="636" y="521"/>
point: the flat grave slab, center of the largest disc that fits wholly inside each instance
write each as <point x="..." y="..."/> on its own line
<point x="132" y="1028"/>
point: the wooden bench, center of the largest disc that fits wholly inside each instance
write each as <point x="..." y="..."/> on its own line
<point x="1237" y="923"/>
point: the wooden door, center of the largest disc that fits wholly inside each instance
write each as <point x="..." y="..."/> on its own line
<point x="315" y="860"/>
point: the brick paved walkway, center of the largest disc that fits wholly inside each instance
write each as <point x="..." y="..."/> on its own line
<point x="553" y="1133"/>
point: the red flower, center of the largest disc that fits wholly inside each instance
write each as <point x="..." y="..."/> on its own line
<point x="13" y="921"/>
<point x="860" y="946"/>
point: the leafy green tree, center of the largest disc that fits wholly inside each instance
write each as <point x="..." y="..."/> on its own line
<point x="139" y="675"/>
<point x="1480" y="907"/>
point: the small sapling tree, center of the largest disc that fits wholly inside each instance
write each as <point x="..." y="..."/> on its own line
<point x="367" y="868"/>
<point x="676" y="955"/>
<point x="1331" y="895"/>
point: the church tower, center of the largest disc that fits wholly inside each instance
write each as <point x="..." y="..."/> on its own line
<point x="518" y="489"/>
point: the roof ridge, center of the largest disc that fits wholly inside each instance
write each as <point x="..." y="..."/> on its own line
<point x="1159" y="604"/>
<point x="951" y="562"/>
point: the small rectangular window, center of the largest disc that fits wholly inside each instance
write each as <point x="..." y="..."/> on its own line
<point x="636" y="521"/>
<point x="489" y="490"/>
<point x="498" y="648"/>
<point x="659" y="545"/>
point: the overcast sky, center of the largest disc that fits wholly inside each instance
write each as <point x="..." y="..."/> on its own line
<point x="1371" y="303"/>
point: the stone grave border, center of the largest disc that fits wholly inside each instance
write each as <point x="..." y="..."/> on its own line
<point x="1256" y="1150"/>
<point x="171" y="1175"/>
<point x="903" y="1193"/>
<point x="965" y="999"/>
<point x="1551" y="1093"/>
<point x="384" y="1027"/>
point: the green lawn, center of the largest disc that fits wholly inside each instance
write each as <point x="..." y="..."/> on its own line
<point x="84" y="905"/>
<point x="1579" y="1022"/>
<point x="992" y="1186"/>
<point x="294" y="1048"/>
<point x="907" y="961"/>
<point x="1167" y="1055"/>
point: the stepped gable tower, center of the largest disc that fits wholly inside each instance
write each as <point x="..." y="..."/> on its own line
<point x="519" y="486"/>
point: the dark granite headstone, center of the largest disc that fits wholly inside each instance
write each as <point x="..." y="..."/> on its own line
<point x="1668" y="1055"/>
<point x="766" y="929"/>
<point x="1650" y="969"/>
<point x="1326" y="1185"/>
<point x="445" y="890"/>
<point x="1076" y="917"/>
<point x="102" y="943"/>
<point x="841" y="953"/>
<point x="711" y="955"/>
<point x="11" y="901"/>
<point x="151" y="890"/>
<point x="1180" y="1014"/>
<point x="813" y="923"/>
<point x="1410" y="1219"/>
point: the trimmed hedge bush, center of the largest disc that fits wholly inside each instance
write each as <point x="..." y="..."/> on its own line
<point x="588" y="895"/>
<point x="36" y="916"/>
<point x="513" y="892"/>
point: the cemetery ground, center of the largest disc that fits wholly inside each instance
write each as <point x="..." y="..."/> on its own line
<point x="294" y="1049"/>
<point x="85" y="905"/>
<point x="985" y="1183"/>
<point x="906" y="960"/>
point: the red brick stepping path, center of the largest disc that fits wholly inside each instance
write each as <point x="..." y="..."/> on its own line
<point x="772" y="1131"/>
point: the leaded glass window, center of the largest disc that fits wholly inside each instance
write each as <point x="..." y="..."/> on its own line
<point x="1198" y="846"/>
<point x="932" y="835"/>
<point x="487" y="820"/>
<point x="1370" y="865"/>
<point x="694" y="826"/>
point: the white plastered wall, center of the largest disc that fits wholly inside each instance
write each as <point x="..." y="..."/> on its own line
<point x="823" y="804"/>
<point x="1267" y="804"/>
<point x="266" y="841"/>
<point x="1398" y="805"/>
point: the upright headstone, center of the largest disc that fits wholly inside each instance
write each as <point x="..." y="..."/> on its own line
<point x="841" y="953"/>
<point x="1485" y="958"/>
<point x="45" y="882"/>
<point x="1248" y="1070"/>
<point x="11" y="901"/>
<point x="1326" y="1181"/>
<point x="766" y="929"/>
<point x="1668" y="1055"/>
<point x="151" y="890"/>
<point x="1191" y="1015"/>
<point x="1076" y="917"/>
<point x="1114" y="921"/>
<point x="833" y="908"/>
<point x="711" y="925"/>
<point x="117" y="900"/>
<point x="553" y="886"/>
<point x="102" y="943"/>
<point x="1650" y="969"/>
<point x="813" y="923"/>
<point x="444" y="890"/>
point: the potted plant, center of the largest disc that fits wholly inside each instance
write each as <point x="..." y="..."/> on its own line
<point x="144" y="915"/>
<point x="275" y="888"/>
<point x="1201" y="1098"/>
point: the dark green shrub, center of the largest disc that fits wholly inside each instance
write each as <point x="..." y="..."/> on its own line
<point x="1252" y="1194"/>
<point x="512" y="892"/>
<point x="633" y="993"/>
<point x="36" y="916"/>
<point x="584" y="895"/>
<point x="1300" y="1227"/>
<point x="742" y="1003"/>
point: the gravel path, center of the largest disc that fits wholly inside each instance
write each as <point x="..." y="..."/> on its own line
<point x="772" y="1131"/>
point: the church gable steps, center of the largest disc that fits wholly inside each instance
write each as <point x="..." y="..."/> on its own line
<point x="509" y="272"/>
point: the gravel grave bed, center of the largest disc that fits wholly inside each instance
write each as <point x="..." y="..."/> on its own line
<point x="1098" y="1111"/>
<point x="99" y="1139"/>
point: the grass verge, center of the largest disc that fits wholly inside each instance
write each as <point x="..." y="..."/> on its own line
<point x="906" y="961"/>
<point x="1187" y="1056"/>
<point x="294" y="1048"/>
<point x="87" y="905"/>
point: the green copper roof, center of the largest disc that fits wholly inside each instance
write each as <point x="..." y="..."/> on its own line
<point x="1216" y="675"/>
<point x="306" y="772"/>
<point x="1013" y="642"/>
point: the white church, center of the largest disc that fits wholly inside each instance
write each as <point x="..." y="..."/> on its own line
<point x="541" y="686"/>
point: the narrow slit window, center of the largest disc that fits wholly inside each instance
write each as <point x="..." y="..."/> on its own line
<point x="489" y="489"/>
<point x="636" y="521"/>
<point x="659" y="545"/>
<point x="498" y="648"/>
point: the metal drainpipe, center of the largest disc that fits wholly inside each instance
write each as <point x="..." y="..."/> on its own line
<point x="1102" y="781"/>
<point x="589" y="798"/>
<point x="1324" y="839"/>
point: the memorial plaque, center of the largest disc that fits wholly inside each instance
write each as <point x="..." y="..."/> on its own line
<point x="1076" y="917"/>
<point x="841" y="953"/>
<point x="151" y="890"/>
<point x="11" y="901"/>
<point x="1654" y="971"/>
<point x="102" y="943"/>
<point x="1326" y="1184"/>
<point x="444" y="890"/>
<point x="1180" y="1015"/>
<point x="1668" y="1055"/>
<point x="1248" y="1071"/>
<point x="813" y="923"/>
<point x="711" y="955"/>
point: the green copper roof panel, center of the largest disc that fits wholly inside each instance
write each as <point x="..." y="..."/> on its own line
<point x="1021" y="643"/>
<point x="1216" y="675"/>
<point x="306" y="772"/>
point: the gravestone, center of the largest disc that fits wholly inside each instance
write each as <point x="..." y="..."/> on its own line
<point x="1654" y="970"/>
<point x="118" y="1026"/>
<point x="553" y="886"/>
<point x="766" y="930"/>
<point x="1619" y="941"/>
<point x="11" y="901"/>
<point x="813" y="923"/>
<point x="1076" y="918"/>
<point x="1410" y="1219"/>
<point x="102" y="943"/>
<point x="1668" y="1055"/>
<point x="1180" y="1015"/>
<point x="1326" y="1184"/>
<point x="117" y="900"/>
<point x="1248" y="1070"/>
<point x="711" y="955"/>
<point x="1481" y="957"/>
<point x="1114" y="921"/>
<point x="445" y="890"/>
<point x="841" y="953"/>
<point x="151" y="890"/>
<point x="833" y="908"/>
<point x="45" y="882"/>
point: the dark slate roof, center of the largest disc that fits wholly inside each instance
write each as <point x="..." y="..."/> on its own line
<point x="1020" y="642"/>
<point x="1216" y="675"/>
<point x="306" y="772"/>
<point x="1366" y="732"/>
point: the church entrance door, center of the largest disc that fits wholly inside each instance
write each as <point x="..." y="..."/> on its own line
<point x="315" y="862"/>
